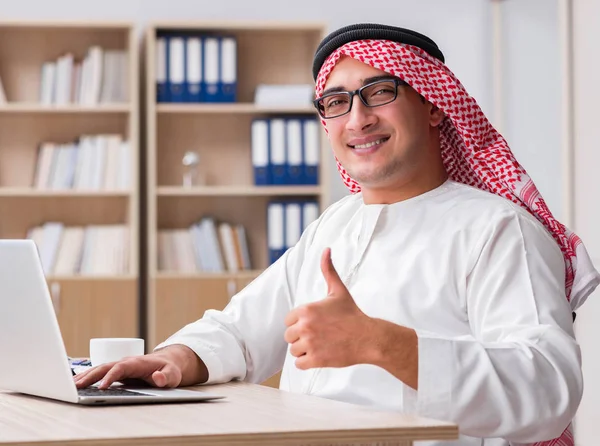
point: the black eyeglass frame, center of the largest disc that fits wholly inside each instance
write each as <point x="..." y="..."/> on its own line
<point x="397" y="82"/>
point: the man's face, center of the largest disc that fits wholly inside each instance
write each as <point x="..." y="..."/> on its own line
<point x="383" y="146"/>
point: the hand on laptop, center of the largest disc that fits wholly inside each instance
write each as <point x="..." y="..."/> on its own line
<point x="173" y="366"/>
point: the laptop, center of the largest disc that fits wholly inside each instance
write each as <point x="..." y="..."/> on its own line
<point x="32" y="352"/>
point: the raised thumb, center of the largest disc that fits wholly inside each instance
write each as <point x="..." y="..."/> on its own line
<point x="331" y="276"/>
<point x="167" y="376"/>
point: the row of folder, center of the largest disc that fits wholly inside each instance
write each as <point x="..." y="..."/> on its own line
<point x="193" y="67"/>
<point x="285" y="151"/>
<point x="286" y="222"/>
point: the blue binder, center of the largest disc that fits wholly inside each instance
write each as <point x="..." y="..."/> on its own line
<point x="177" y="68"/>
<point x="277" y="151"/>
<point x="293" y="223"/>
<point x="211" y="69"/>
<point x="294" y="152"/>
<point x="227" y="70"/>
<point x="275" y="230"/>
<point x="312" y="153"/>
<point x="193" y="72"/>
<point x="310" y="213"/>
<point x="260" y="151"/>
<point x="162" y="72"/>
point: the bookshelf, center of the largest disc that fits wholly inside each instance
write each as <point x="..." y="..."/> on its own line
<point x="271" y="53"/>
<point x="88" y="303"/>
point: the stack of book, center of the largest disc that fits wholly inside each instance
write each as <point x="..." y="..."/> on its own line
<point x="206" y="246"/>
<point x="101" y="77"/>
<point x="95" y="162"/>
<point x="82" y="250"/>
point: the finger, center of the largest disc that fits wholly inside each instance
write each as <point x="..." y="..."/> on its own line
<point x="159" y="379"/>
<point x="154" y="370"/>
<point x="298" y="348"/>
<point x="332" y="278"/>
<point x="168" y="376"/>
<point x="305" y="362"/>
<point x="291" y="335"/>
<point x="82" y="374"/>
<point x="291" y="318"/>
<point x="92" y="375"/>
<point x="86" y="371"/>
<point x="119" y="371"/>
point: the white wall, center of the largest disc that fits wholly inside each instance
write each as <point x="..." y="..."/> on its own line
<point x="587" y="209"/>
<point x="531" y="82"/>
<point x="455" y="25"/>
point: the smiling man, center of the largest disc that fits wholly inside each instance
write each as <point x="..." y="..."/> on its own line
<point x="442" y="286"/>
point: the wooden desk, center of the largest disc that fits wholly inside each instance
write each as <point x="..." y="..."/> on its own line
<point x="250" y="415"/>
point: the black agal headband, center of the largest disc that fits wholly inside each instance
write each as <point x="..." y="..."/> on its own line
<point x="364" y="31"/>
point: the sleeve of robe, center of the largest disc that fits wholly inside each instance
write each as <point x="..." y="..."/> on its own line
<point x="245" y="340"/>
<point x="518" y="376"/>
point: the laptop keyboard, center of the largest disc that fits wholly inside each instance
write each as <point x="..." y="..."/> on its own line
<point x="94" y="391"/>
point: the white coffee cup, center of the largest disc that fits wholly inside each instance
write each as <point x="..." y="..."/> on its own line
<point x="103" y="350"/>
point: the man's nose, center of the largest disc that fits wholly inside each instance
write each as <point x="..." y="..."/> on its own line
<point x="360" y="116"/>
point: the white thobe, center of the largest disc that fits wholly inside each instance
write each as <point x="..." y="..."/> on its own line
<point x="478" y="278"/>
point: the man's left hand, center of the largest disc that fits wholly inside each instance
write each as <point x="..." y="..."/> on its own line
<point x="331" y="332"/>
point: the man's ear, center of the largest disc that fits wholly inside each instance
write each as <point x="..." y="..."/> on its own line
<point x="436" y="116"/>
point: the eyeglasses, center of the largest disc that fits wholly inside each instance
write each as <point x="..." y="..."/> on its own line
<point x="374" y="94"/>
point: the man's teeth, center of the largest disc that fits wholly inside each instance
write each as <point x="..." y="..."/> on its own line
<point x="369" y="144"/>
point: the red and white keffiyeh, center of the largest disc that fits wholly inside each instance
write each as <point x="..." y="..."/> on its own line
<point x="473" y="152"/>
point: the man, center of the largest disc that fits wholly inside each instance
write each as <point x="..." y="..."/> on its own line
<point x="442" y="287"/>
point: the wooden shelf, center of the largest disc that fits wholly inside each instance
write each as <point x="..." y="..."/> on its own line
<point x="239" y="108"/>
<point x="33" y="108"/>
<point x="237" y="191"/>
<point x="254" y="26"/>
<point x="87" y="305"/>
<point x="119" y="278"/>
<point x="62" y="25"/>
<point x="249" y="274"/>
<point x="267" y="53"/>
<point x="27" y="192"/>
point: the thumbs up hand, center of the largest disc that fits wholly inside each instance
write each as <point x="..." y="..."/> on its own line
<point x="330" y="332"/>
